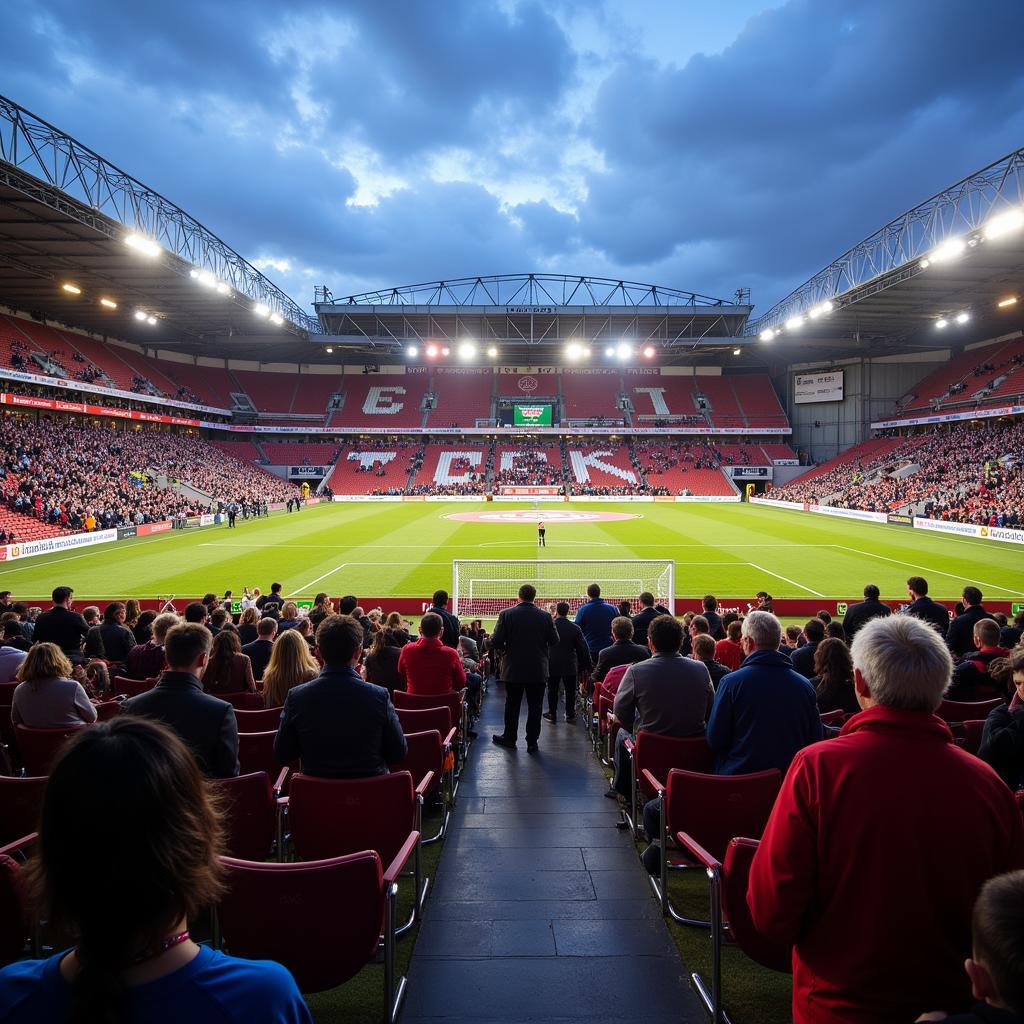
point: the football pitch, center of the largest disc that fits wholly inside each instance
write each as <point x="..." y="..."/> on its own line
<point x="406" y="550"/>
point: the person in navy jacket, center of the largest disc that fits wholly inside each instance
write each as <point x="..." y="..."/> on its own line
<point x="595" y="619"/>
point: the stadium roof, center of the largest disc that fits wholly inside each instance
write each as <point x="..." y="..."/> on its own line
<point x="959" y="252"/>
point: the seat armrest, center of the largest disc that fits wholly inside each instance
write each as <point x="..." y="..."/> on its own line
<point x="19" y="845"/>
<point x="397" y="866"/>
<point x="629" y="744"/>
<point x="653" y="782"/>
<point x="691" y="845"/>
<point x="282" y="801"/>
<point x="425" y="783"/>
<point x="450" y="738"/>
<point x="281" y="779"/>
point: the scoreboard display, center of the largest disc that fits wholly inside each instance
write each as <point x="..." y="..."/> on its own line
<point x="531" y="415"/>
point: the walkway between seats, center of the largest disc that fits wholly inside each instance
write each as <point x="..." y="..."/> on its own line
<point x="540" y="910"/>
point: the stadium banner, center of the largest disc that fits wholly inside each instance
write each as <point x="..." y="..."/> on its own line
<point x="368" y="497"/>
<point x="48" y="545"/>
<point x="799" y="506"/>
<point x="701" y="431"/>
<point x="849" y="513"/>
<point x="899" y="519"/>
<point x="999" y="533"/>
<point x="785" y="462"/>
<point x="79" y="385"/>
<point x="454" y="497"/>
<point x="126" y="532"/>
<point x="707" y="497"/>
<point x="951" y="417"/>
<point x="535" y="490"/>
<point x="818" y="387"/>
<point x="149" y="528"/>
<point x="206" y="519"/>
<point x="56" y="405"/>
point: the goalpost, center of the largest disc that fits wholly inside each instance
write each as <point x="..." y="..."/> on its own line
<point x="483" y="587"/>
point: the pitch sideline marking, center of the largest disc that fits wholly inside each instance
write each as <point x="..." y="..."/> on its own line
<point x="778" y="576"/>
<point x="924" y="568"/>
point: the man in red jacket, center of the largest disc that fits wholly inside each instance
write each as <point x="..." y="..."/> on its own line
<point x="427" y="666"/>
<point x="879" y="842"/>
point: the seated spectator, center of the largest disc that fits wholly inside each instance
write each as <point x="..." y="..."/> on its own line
<point x="1010" y="635"/>
<point x="802" y="659"/>
<point x="47" y="697"/>
<point x="247" y="627"/>
<point x="117" y="638"/>
<point x="339" y="724"/>
<point x="322" y="607"/>
<point x="626" y="608"/>
<point x="994" y="968"/>
<point x="228" y="670"/>
<point x="568" y="658"/>
<point x="730" y="651"/>
<point x="146" y="661"/>
<point x="380" y="666"/>
<point x="95" y="679"/>
<point x="960" y="636"/>
<point x="11" y="654"/>
<point x="844" y="803"/>
<point x="861" y="613"/>
<point x="666" y="694"/>
<point x="206" y="723"/>
<point x="14" y="635"/>
<point x="395" y="622"/>
<point x="289" y="616"/>
<point x="622" y="650"/>
<point x="427" y="666"/>
<point x="1002" y="739"/>
<point x="649" y="611"/>
<point x="133" y="959"/>
<point x="971" y="679"/>
<point x="833" y="677"/>
<point x="218" y="619"/>
<point x="450" y="632"/>
<point x="132" y="612"/>
<point x="923" y="607"/>
<point x="595" y="619"/>
<point x="196" y="612"/>
<point x="704" y="652"/>
<point x="291" y="664"/>
<point x="764" y="712"/>
<point x="696" y="626"/>
<point x="62" y="626"/>
<point x="258" y="652"/>
<point x="834" y="631"/>
<point x="143" y="628"/>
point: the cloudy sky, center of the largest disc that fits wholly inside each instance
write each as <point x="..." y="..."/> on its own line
<point x="704" y="145"/>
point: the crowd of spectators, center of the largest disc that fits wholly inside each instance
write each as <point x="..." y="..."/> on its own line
<point x="81" y="476"/>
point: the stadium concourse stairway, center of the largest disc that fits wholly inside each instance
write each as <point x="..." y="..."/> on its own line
<point x="540" y="911"/>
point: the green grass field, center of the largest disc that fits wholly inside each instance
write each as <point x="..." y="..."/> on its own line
<point x="406" y="550"/>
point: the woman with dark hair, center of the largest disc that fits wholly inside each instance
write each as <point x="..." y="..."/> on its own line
<point x="835" y="630"/>
<point x="143" y="628"/>
<point x="247" y="623"/>
<point x="132" y="612"/>
<point x="228" y="670"/>
<point x="130" y="790"/>
<point x="381" y="664"/>
<point x="833" y="677"/>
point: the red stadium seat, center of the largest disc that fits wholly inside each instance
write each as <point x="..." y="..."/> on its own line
<point x="243" y="700"/>
<point x="427" y="755"/>
<point x="131" y="687"/>
<point x="729" y="880"/>
<point x="251" y="814"/>
<point x="334" y="817"/>
<point x="454" y="701"/>
<point x="258" y="721"/>
<point x="21" y="798"/>
<point x="1020" y="800"/>
<point x="15" y="909"/>
<point x="956" y="712"/>
<point x="655" y="756"/>
<point x="426" y="719"/>
<point x="711" y="810"/>
<point x="836" y="717"/>
<point x="323" y="920"/>
<point x="256" y="753"/>
<point x="972" y="736"/>
<point x="39" y="747"/>
<point x="108" y="709"/>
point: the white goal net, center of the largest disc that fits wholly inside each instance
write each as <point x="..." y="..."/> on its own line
<point x="483" y="587"/>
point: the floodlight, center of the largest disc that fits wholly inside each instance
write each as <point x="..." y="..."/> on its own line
<point x="1010" y="300"/>
<point x="609" y="351"/>
<point x="467" y="350"/>
<point x="736" y="351"/>
<point x="109" y="303"/>
<point x="820" y="310"/>
<point x="587" y="351"/>
<point x="207" y="279"/>
<point x="573" y="352"/>
<point x="329" y="349"/>
<point x="1004" y="223"/>
<point x="72" y="289"/>
<point x="767" y="334"/>
<point x="925" y="264"/>
<point x="446" y="351"/>
<point x="276" y="319"/>
<point x="140" y="314"/>
<point x="942" y="323"/>
<point x="193" y="273"/>
<point x="492" y="352"/>
<point x="222" y="288"/>
<point x="649" y="352"/>
<point x="144" y="245"/>
<point x="794" y="323"/>
<point x="431" y="351"/>
<point x="151" y="320"/>
<point x="412" y="351"/>
<point x="624" y="351"/>
<point x="260" y="310"/>
<point x="949" y="250"/>
<point x="962" y="318"/>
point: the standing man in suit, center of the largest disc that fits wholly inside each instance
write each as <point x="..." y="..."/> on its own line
<point x="260" y="649"/>
<point x="450" y="631"/>
<point x="566" y="660"/>
<point x="861" y="613"/>
<point x="206" y="724"/>
<point x="959" y="638"/>
<point x="924" y="608"/>
<point x="521" y="637"/>
<point x="649" y="611"/>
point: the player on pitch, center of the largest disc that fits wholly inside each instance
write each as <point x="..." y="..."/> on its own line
<point x="541" y="542"/>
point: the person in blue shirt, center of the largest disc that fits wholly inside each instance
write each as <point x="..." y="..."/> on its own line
<point x="764" y="712"/>
<point x="595" y="619"/>
<point x="126" y="802"/>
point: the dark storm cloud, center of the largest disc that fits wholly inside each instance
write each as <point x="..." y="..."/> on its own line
<point x="311" y="133"/>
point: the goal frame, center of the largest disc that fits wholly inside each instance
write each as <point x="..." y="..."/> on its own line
<point x="578" y="582"/>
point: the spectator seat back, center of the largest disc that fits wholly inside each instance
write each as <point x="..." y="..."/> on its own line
<point x="960" y="711"/>
<point x="425" y="720"/>
<point x="258" y="721"/>
<point x="249" y="815"/>
<point x="21" y="798"/>
<point x="39" y="747"/>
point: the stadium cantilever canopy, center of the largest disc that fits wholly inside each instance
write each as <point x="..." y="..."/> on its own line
<point x="65" y="215"/>
<point x="525" y="314"/>
<point x="905" y="286"/>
